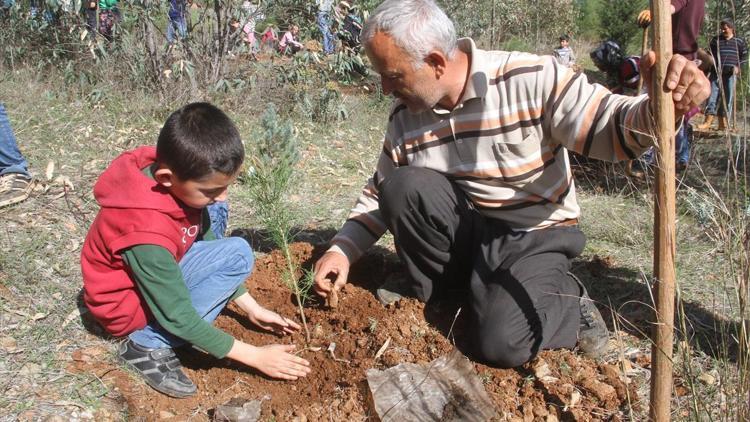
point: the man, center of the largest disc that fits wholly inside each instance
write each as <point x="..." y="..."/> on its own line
<point x="474" y="182"/>
<point x="324" y="24"/>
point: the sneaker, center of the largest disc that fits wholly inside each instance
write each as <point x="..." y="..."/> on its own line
<point x="394" y="288"/>
<point x="593" y="336"/>
<point x="14" y="188"/>
<point x="160" y="368"/>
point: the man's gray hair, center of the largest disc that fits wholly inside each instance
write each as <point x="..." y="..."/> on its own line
<point x="417" y="26"/>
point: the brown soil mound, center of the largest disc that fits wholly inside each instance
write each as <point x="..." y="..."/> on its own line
<point x="557" y="385"/>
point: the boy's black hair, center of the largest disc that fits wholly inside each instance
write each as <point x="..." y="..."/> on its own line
<point x="564" y="37"/>
<point x="198" y="140"/>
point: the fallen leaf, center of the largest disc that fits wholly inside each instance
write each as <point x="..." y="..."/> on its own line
<point x="707" y="378"/>
<point x="382" y="348"/>
<point x="39" y="315"/>
<point x="575" y="397"/>
<point x="50" y="170"/>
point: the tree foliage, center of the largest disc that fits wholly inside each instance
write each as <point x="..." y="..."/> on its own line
<point x="618" y="20"/>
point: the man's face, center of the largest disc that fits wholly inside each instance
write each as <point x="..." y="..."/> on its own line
<point x="202" y="192"/>
<point x="419" y="89"/>
<point x="726" y="30"/>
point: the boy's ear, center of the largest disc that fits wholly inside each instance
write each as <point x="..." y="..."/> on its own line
<point x="164" y="176"/>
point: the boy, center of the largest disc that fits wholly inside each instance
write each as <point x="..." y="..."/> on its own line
<point x="564" y="54"/>
<point x="155" y="266"/>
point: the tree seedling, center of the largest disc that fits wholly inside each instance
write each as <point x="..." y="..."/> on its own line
<point x="276" y="153"/>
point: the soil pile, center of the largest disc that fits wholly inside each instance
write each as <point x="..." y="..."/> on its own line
<point x="558" y="385"/>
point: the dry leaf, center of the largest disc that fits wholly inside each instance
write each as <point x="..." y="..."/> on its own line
<point x="50" y="170"/>
<point x="39" y="315"/>
<point x="382" y="348"/>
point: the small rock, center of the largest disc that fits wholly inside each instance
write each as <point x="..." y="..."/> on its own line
<point x="235" y="412"/>
<point x="30" y="369"/>
<point x="55" y="418"/>
<point x="575" y="398"/>
<point x="405" y="330"/>
<point x="707" y="378"/>
<point x="541" y="370"/>
<point x="8" y="344"/>
<point x="163" y="414"/>
<point x="318" y="331"/>
<point x="361" y="342"/>
<point x="299" y="417"/>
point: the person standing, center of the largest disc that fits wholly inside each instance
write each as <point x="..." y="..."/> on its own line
<point x="687" y="20"/>
<point x="729" y="53"/>
<point x="177" y="22"/>
<point x="15" y="179"/>
<point x="564" y="54"/>
<point x="109" y="14"/>
<point x="324" y="24"/>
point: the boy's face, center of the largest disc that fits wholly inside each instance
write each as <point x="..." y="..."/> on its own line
<point x="563" y="43"/>
<point x="196" y="193"/>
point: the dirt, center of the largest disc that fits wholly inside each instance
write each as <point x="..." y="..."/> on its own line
<point x="558" y="385"/>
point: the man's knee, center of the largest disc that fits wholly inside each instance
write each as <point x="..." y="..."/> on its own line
<point x="503" y="351"/>
<point x="404" y="185"/>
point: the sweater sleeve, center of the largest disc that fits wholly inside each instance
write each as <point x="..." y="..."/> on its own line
<point x="160" y="281"/>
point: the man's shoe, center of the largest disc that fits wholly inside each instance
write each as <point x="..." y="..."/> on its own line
<point x="593" y="336"/>
<point x="394" y="288"/>
<point x="160" y="368"/>
<point x="14" y="188"/>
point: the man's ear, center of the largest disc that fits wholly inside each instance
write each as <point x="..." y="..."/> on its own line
<point x="164" y="176"/>
<point x="437" y="61"/>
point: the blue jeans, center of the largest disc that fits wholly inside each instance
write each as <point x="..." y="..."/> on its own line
<point x="213" y="270"/>
<point x="681" y="149"/>
<point x="714" y="101"/>
<point x="11" y="159"/>
<point x="176" y="25"/>
<point x="324" y="24"/>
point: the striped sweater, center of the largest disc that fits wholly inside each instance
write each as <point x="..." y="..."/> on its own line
<point x="505" y="144"/>
<point x="728" y="52"/>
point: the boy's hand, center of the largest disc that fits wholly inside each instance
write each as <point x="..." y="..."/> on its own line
<point x="271" y="321"/>
<point x="331" y="272"/>
<point x="274" y="360"/>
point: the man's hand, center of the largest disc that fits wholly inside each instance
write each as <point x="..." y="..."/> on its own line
<point x="689" y="86"/>
<point x="331" y="272"/>
<point x="274" y="360"/>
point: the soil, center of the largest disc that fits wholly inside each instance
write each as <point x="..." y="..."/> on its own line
<point x="558" y="385"/>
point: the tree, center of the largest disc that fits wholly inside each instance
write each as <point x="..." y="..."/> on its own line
<point x="618" y="20"/>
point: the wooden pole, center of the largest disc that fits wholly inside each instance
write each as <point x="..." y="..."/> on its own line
<point x="664" y="217"/>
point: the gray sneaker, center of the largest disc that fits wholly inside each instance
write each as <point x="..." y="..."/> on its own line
<point x="593" y="336"/>
<point x="396" y="286"/>
<point x="14" y="188"/>
<point x="160" y="368"/>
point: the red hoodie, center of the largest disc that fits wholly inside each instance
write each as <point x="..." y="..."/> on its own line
<point x="135" y="210"/>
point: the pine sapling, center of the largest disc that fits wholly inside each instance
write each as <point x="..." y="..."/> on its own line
<point x="275" y="155"/>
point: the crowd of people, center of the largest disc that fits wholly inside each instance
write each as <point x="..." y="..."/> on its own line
<point x="721" y="62"/>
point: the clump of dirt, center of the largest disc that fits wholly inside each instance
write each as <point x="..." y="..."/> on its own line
<point x="557" y="385"/>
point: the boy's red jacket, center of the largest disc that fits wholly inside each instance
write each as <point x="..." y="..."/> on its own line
<point x="135" y="210"/>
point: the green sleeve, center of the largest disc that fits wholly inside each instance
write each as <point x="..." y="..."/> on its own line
<point x="159" y="278"/>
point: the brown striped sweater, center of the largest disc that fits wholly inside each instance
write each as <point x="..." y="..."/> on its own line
<point x="505" y="144"/>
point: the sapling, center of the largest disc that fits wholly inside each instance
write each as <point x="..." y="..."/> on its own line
<point x="274" y="157"/>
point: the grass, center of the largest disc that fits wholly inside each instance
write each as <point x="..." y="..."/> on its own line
<point x="41" y="238"/>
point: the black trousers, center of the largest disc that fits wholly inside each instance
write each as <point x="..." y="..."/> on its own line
<point x="520" y="296"/>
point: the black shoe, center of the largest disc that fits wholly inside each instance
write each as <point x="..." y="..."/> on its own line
<point x="394" y="288"/>
<point x="160" y="368"/>
<point x="593" y="336"/>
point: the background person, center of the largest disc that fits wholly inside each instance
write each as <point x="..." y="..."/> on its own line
<point x="15" y="179"/>
<point x="729" y="53"/>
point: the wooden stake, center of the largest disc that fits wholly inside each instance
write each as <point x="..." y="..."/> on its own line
<point x="664" y="217"/>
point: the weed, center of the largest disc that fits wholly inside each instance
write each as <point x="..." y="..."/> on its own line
<point x="373" y="325"/>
